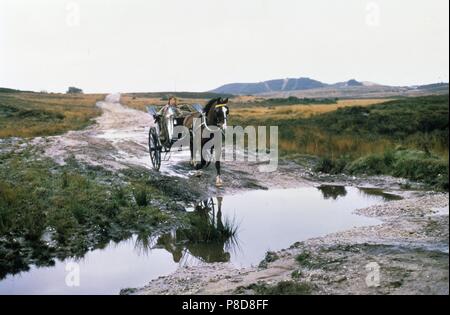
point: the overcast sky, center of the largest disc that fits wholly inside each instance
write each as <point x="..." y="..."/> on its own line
<point x="197" y="45"/>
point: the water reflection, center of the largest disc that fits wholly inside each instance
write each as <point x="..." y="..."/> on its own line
<point x="268" y="220"/>
<point x="332" y="192"/>
<point x="380" y="193"/>
<point x="144" y="243"/>
<point x="209" y="237"/>
<point x="335" y="191"/>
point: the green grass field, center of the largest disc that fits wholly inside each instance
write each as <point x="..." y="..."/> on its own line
<point x="27" y="114"/>
<point x="407" y="137"/>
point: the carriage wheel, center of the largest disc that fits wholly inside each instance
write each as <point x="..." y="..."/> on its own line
<point x="154" y="148"/>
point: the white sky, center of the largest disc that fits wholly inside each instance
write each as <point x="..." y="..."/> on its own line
<point x="197" y="45"/>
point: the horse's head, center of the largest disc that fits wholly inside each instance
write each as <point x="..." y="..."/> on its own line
<point x="217" y="112"/>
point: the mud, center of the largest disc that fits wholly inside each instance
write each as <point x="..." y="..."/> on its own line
<point x="119" y="140"/>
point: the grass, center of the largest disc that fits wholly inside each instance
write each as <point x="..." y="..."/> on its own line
<point x="48" y="211"/>
<point x="27" y="114"/>
<point x="401" y="162"/>
<point x="296" y="274"/>
<point x="270" y="257"/>
<point x="77" y="207"/>
<point x="241" y="102"/>
<point x="281" y="288"/>
<point x="304" y="259"/>
<point x="278" y="113"/>
<point x="364" y="136"/>
<point x="396" y="119"/>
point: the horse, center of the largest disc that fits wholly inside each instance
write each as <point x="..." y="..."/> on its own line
<point x="215" y="114"/>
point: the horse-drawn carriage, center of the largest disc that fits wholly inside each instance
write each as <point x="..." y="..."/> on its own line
<point x="165" y="124"/>
<point x="162" y="135"/>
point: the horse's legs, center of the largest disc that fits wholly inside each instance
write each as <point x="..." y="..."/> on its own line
<point x="202" y="159"/>
<point x="218" y="168"/>
<point x="219" y="181"/>
<point x="217" y="164"/>
<point x="191" y="146"/>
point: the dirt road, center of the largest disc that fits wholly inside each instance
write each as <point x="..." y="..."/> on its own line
<point x="119" y="139"/>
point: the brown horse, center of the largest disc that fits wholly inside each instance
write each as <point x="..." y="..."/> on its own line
<point x="215" y="115"/>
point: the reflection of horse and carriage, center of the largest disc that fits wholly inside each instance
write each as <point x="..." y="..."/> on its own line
<point x="211" y="237"/>
<point x="163" y="136"/>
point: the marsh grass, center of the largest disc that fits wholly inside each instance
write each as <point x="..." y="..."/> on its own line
<point x="281" y="288"/>
<point x="27" y="114"/>
<point x="406" y="163"/>
<point x="77" y="208"/>
<point x="404" y="138"/>
<point x="269" y="258"/>
<point x="259" y="112"/>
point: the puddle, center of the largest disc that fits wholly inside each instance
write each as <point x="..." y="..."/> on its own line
<point x="240" y="229"/>
<point x="379" y="192"/>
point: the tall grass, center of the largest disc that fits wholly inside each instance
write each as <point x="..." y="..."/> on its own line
<point x="355" y="137"/>
<point x="71" y="205"/>
<point x="41" y="114"/>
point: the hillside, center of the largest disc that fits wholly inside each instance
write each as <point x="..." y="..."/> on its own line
<point x="270" y="86"/>
<point x="310" y="88"/>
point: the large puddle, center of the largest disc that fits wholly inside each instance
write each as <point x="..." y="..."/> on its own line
<point x="239" y="228"/>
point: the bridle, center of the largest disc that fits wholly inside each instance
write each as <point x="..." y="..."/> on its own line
<point x="204" y="118"/>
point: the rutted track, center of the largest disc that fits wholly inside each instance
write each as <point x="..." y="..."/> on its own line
<point x="119" y="139"/>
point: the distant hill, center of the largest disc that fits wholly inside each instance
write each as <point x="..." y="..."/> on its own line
<point x="6" y="90"/>
<point x="348" y="83"/>
<point x="270" y="86"/>
<point x="191" y="95"/>
<point x="434" y="87"/>
<point x="306" y="87"/>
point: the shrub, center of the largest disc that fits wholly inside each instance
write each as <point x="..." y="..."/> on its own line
<point x="140" y="196"/>
<point x="406" y="163"/>
<point x="325" y="165"/>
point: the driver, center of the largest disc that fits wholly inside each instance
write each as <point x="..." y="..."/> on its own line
<point x="171" y="104"/>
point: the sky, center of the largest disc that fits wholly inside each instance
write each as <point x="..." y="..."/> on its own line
<point x="198" y="45"/>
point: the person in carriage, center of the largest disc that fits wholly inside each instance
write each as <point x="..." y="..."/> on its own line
<point x="170" y="109"/>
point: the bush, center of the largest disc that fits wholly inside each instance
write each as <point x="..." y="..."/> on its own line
<point x="406" y="163"/>
<point x="411" y="164"/>
<point x="329" y="166"/>
<point x="325" y="165"/>
<point x="74" y="90"/>
<point x="140" y="196"/>
<point x="369" y="165"/>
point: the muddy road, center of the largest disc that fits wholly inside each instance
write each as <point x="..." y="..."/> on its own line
<point x="119" y="139"/>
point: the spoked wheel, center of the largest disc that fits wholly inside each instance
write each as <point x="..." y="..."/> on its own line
<point x="154" y="148"/>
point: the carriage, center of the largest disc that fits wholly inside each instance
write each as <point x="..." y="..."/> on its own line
<point x="213" y="119"/>
<point x="158" y="144"/>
